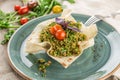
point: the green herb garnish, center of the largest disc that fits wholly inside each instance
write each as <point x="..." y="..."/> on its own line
<point x="43" y="64"/>
<point x="71" y="1"/>
<point x="7" y="36"/>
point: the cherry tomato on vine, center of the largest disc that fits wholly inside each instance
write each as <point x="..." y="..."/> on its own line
<point x="57" y="9"/>
<point x="23" y="20"/>
<point x="32" y="4"/>
<point x="23" y="10"/>
<point x="17" y="7"/>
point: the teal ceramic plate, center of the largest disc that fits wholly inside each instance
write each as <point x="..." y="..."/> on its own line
<point x="96" y="62"/>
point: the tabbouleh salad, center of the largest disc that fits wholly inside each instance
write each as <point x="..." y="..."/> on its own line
<point x="68" y="44"/>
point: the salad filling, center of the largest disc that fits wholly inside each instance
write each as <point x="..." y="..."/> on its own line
<point x="69" y="45"/>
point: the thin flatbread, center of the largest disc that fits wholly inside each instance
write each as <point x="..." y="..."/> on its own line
<point x="34" y="45"/>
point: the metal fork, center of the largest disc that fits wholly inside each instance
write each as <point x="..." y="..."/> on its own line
<point x="96" y="18"/>
<point x="93" y="19"/>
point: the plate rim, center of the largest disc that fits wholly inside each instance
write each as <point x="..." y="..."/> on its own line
<point x="28" y="77"/>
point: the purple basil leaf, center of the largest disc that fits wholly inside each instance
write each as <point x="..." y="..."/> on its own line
<point x="64" y="24"/>
<point x="74" y="29"/>
<point x="60" y="21"/>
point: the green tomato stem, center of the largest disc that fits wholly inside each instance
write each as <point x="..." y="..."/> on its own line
<point x="13" y="27"/>
<point x="14" y="21"/>
<point x="11" y="16"/>
<point x="49" y="7"/>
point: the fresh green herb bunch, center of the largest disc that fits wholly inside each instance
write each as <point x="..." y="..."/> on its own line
<point x="11" y="20"/>
<point x="71" y="1"/>
<point x="45" y="6"/>
<point x="6" y="20"/>
<point x="7" y="36"/>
